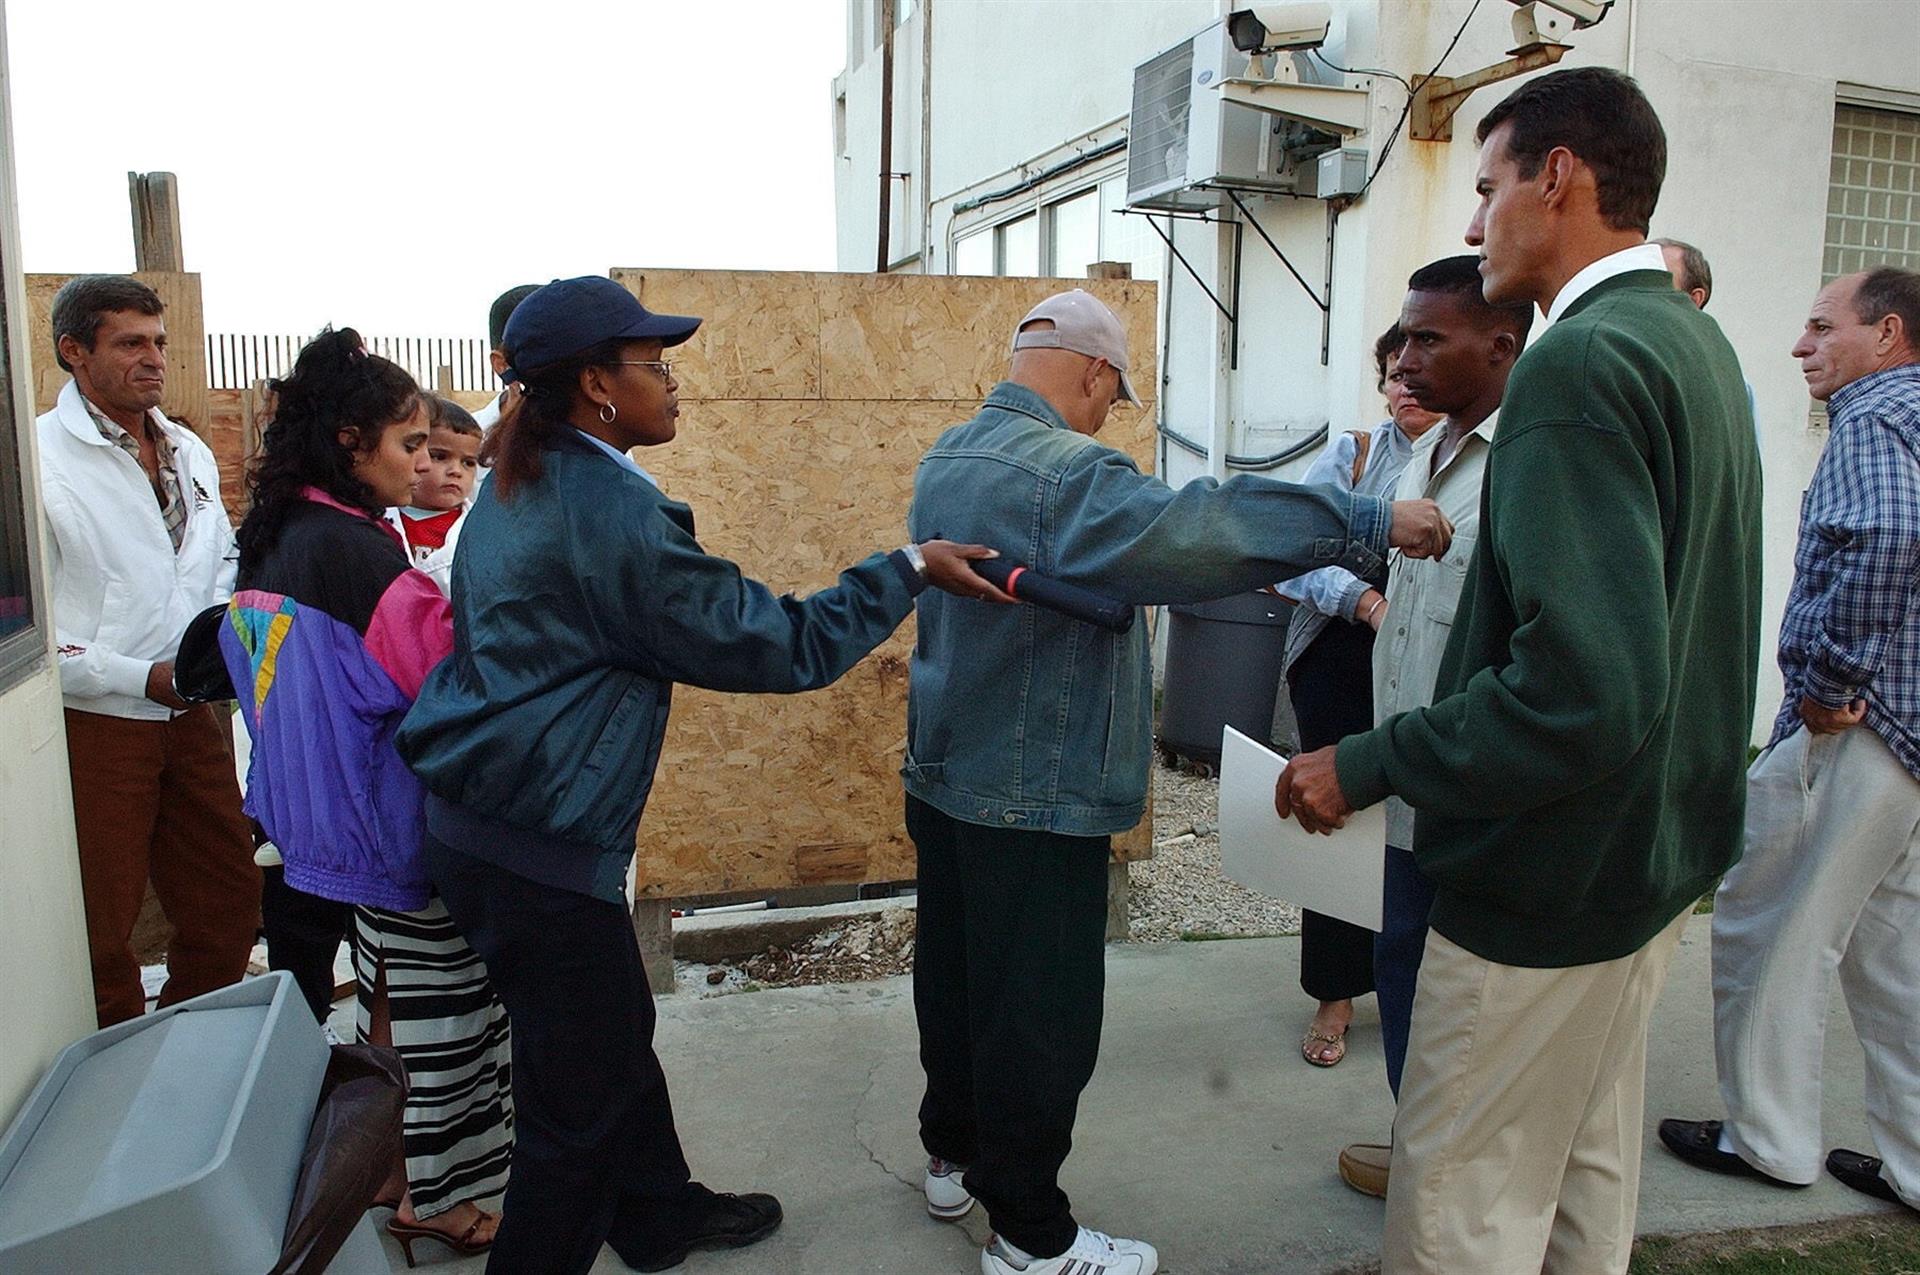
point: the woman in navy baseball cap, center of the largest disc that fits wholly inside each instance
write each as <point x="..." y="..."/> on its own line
<point x="580" y="598"/>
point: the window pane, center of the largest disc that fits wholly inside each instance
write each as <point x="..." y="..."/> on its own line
<point x="1020" y="246"/>
<point x="1076" y="235"/>
<point x="1871" y="218"/>
<point x="16" y="590"/>
<point x="1124" y="238"/>
<point x="973" y="254"/>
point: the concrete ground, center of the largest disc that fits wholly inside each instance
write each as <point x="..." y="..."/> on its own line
<point x="1202" y="1132"/>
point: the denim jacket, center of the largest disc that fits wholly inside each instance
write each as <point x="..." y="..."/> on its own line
<point x="1020" y="718"/>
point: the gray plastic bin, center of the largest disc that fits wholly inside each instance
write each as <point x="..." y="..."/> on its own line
<point x="168" y="1144"/>
<point x="1223" y="669"/>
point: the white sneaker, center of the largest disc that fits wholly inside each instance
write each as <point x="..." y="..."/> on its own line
<point x="1092" y="1254"/>
<point x="947" y="1199"/>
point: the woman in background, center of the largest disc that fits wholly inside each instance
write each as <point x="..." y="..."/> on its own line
<point x="1329" y="679"/>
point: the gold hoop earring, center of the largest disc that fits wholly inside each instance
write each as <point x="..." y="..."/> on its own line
<point x="608" y="413"/>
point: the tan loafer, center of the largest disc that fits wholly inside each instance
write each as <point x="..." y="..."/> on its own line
<point x="1363" y="1166"/>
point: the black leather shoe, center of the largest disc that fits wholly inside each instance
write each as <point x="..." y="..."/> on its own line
<point x="1698" y="1143"/>
<point x="711" y="1219"/>
<point x="1862" y="1173"/>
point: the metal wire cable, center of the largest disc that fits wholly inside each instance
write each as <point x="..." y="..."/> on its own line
<point x="1361" y="70"/>
<point x="1394" y="136"/>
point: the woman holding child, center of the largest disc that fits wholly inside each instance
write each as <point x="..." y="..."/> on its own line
<point x="329" y="636"/>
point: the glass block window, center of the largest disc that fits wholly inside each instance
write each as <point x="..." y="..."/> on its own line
<point x="1873" y="191"/>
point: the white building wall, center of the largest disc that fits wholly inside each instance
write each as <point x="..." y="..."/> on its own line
<point x="46" y="988"/>
<point x="1013" y="80"/>
<point x="46" y="996"/>
<point x="1745" y="90"/>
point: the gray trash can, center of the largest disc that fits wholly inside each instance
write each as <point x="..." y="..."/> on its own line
<point x="170" y="1144"/>
<point x="1223" y="669"/>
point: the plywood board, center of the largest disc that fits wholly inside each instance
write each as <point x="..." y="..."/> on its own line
<point x="759" y="336"/>
<point x="773" y="790"/>
<point x="928" y="336"/>
<point x="861" y="336"/>
<point x="186" y="397"/>
<point x="796" y="449"/>
<point x="226" y="433"/>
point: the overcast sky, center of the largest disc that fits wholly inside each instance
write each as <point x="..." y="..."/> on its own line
<point x="394" y="166"/>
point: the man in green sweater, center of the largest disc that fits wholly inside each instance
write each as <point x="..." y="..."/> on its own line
<point x="1579" y="777"/>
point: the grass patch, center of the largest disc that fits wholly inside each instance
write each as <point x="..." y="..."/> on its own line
<point x="1880" y="1244"/>
<point x="1214" y="936"/>
<point x="1885" y="1243"/>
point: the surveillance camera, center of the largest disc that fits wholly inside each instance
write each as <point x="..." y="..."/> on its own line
<point x="1582" y="13"/>
<point x="1265" y="28"/>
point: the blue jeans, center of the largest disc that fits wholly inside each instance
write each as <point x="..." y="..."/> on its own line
<point x="1396" y="955"/>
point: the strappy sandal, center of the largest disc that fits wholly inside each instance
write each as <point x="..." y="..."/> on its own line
<point x="1309" y="1047"/>
<point x="464" y="1245"/>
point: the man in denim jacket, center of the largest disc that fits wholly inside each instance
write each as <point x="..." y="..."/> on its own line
<point x="1029" y="736"/>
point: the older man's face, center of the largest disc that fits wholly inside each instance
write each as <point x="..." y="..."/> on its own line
<point x="1677" y="267"/>
<point x="126" y="370"/>
<point x="1836" y="348"/>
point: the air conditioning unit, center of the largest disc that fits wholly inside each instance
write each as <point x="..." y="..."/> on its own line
<point x="1183" y="137"/>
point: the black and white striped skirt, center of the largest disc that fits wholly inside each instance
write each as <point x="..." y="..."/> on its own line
<point x="451" y="1032"/>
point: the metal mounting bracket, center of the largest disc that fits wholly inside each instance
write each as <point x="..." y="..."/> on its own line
<point x="1438" y="98"/>
<point x="1328" y="107"/>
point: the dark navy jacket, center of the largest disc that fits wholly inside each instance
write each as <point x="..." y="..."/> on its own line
<point x="577" y="605"/>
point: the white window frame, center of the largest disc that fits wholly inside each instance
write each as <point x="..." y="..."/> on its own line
<point x="1038" y="204"/>
<point x="23" y="653"/>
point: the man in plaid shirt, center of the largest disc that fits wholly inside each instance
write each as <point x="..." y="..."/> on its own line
<point x="1831" y="874"/>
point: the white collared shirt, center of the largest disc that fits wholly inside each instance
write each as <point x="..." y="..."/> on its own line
<point x="1642" y="256"/>
<point x="624" y="459"/>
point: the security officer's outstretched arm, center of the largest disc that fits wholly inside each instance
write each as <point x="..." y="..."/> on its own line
<point x="700" y="621"/>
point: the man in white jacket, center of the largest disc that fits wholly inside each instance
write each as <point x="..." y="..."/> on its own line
<point x="139" y="543"/>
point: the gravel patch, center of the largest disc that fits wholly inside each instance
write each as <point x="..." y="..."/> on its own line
<point x="864" y="948"/>
<point x="1179" y="893"/>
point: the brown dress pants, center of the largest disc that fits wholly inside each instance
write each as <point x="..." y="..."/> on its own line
<point x="159" y="799"/>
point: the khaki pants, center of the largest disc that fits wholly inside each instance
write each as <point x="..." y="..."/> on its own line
<point x="1516" y="1145"/>
<point x="159" y="799"/>
<point x="1830" y="882"/>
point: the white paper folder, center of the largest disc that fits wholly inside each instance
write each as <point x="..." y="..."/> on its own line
<point x="1339" y="875"/>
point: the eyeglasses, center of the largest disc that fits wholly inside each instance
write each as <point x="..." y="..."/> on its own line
<point x="665" y="369"/>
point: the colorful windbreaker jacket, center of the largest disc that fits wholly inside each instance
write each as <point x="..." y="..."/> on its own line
<point x="327" y="641"/>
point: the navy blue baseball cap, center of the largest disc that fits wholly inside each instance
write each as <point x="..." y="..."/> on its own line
<point x="571" y="315"/>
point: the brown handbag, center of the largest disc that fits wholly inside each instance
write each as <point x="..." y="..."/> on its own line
<point x="1362" y="440"/>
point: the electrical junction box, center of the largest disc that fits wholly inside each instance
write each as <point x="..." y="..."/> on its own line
<point x="1340" y="172"/>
